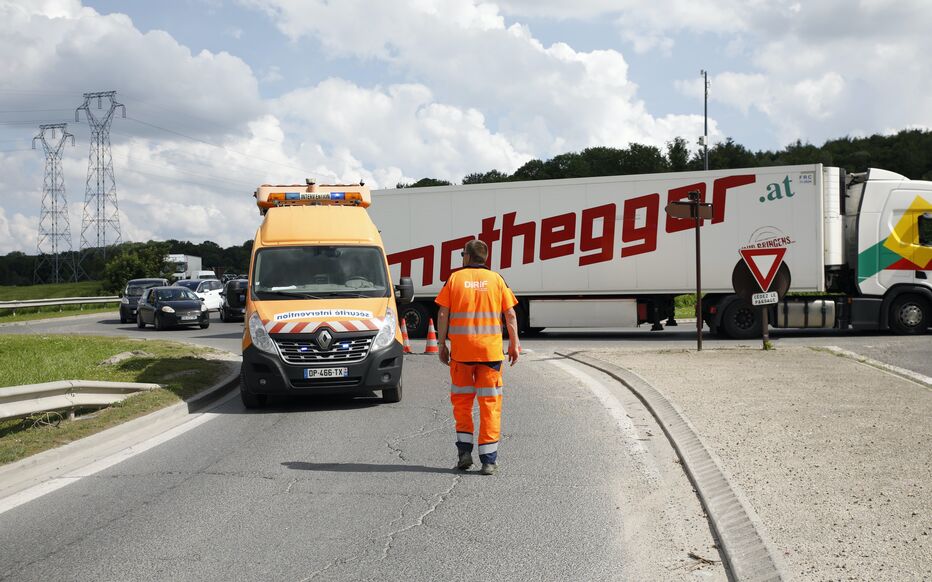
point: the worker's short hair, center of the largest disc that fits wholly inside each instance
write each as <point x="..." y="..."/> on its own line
<point x="476" y="250"/>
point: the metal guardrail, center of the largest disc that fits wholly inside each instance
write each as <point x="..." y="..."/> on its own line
<point x="20" y="401"/>
<point x="26" y="303"/>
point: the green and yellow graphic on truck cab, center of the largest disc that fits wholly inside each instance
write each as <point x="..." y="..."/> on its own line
<point x="908" y="248"/>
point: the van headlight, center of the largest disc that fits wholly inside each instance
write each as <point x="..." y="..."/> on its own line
<point x="387" y="332"/>
<point x="260" y="336"/>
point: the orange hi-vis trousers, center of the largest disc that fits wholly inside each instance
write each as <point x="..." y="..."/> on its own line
<point x="484" y="381"/>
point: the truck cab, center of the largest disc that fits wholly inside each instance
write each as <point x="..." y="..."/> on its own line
<point x="321" y="313"/>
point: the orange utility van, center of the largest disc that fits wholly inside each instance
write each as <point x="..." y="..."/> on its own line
<point x="321" y="313"/>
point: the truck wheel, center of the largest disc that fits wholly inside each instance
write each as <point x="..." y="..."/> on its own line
<point x="741" y="321"/>
<point x="909" y="315"/>
<point x="390" y="395"/>
<point x="416" y="317"/>
<point x="250" y="400"/>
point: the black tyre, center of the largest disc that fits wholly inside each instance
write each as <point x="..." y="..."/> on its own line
<point x="909" y="315"/>
<point x="123" y="318"/>
<point x="157" y="322"/>
<point x="139" y="322"/>
<point x="223" y="316"/>
<point x="205" y="325"/>
<point x="250" y="400"/>
<point x="741" y="321"/>
<point x="390" y="395"/>
<point x="416" y="316"/>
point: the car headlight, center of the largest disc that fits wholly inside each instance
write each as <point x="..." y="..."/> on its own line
<point x="203" y="307"/>
<point x="260" y="337"/>
<point x="168" y="309"/>
<point x="124" y="300"/>
<point x="387" y="333"/>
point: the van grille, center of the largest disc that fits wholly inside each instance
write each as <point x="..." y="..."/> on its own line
<point x="342" y="351"/>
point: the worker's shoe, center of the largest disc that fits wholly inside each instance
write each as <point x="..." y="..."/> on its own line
<point x="488" y="468"/>
<point x="464" y="462"/>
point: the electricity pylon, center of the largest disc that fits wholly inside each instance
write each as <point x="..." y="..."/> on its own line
<point x="100" y="225"/>
<point x="55" y="261"/>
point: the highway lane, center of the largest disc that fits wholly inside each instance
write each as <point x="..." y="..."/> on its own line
<point x="351" y="489"/>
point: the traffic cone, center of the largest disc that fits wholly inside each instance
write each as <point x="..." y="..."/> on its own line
<point x="432" y="347"/>
<point x="404" y="336"/>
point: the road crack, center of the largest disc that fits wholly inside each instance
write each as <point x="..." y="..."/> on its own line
<point x="392" y="536"/>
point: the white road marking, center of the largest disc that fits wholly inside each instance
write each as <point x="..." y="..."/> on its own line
<point x="56" y="483"/>
<point x="890" y="368"/>
<point x="632" y="439"/>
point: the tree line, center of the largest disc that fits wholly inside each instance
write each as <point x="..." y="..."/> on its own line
<point x="132" y="260"/>
<point x="908" y="152"/>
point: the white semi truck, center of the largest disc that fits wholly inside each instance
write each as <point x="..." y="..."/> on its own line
<point x="601" y="252"/>
<point x="184" y="266"/>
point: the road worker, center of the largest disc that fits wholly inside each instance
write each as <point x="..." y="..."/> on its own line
<point x="471" y="307"/>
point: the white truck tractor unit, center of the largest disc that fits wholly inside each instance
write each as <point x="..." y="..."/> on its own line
<point x="601" y="252"/>
<point x="184" y="266"/>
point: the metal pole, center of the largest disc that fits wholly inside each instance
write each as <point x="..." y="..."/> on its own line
<point x="694" y="197"/>
<point x="764" y="317"/>
<point x="705" y="116"/>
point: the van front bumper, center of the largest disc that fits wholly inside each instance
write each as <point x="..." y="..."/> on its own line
<point x="265" y="373"/>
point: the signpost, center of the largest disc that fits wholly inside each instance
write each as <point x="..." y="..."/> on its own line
<point x="764" y="263"/>
<point x="693" y="208"/>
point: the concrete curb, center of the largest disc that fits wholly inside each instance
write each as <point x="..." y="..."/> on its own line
<point x="745" y="550"/>
<point x="895" y="370"/>
<point x="54" y="463"/>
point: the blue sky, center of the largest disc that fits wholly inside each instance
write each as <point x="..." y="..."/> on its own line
<point x="223" y="95"/>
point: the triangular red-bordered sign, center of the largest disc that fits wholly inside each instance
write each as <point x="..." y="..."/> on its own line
<point x="750" y="257"/>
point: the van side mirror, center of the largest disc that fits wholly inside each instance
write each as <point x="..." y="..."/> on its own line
<point x="404" y="290"/>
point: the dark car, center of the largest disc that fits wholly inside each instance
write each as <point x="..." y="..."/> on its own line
<point x="233" y="306"/>
<point x="131" y="294"/>
<point x="170" y="306"/>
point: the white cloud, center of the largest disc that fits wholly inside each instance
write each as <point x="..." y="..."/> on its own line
<point x="542" y="99"/>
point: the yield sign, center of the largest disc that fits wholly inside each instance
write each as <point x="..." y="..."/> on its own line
<point x="762" y="261"/>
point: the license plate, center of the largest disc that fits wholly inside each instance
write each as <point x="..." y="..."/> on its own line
<point x="188" y="317"/>
<point x="326" y="373"/>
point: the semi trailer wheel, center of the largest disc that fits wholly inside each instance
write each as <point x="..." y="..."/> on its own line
<point x="741" y="321"/>
<point x="416" y="316"/>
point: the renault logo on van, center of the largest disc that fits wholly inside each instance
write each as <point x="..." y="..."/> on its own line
<point x="323" y="339"/>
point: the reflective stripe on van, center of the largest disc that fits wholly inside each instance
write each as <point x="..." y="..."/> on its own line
<point x="298" y="327"/>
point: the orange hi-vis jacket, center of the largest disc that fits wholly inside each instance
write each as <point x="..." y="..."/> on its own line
<point x="476" y="298"/>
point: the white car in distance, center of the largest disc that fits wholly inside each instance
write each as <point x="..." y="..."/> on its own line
<point x="206" y="289"/>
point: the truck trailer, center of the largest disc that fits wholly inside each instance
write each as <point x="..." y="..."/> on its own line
<point x="602" y="253"/>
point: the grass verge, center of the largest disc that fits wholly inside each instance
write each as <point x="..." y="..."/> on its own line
<point x="34" y="313"/>
<point x="181" y="370"/>
<point x="51" y="291"/>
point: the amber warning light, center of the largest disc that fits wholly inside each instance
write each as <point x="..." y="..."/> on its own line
<point x="312" y="195"/>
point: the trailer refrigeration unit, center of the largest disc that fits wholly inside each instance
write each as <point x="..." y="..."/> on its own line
<point x="601" y="252"/>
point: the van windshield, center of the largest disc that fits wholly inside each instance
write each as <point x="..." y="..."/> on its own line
<point x="320" y="271"/>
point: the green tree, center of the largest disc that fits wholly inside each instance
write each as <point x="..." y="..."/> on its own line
<point x="677" y="155"/>
<point x="485" y="178"/>
<point x="424" y="183"/>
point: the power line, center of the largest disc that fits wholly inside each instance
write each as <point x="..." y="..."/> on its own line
<point x="224" y="148"/>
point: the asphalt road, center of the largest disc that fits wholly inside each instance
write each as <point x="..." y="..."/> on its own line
<point x="351" y="489"/>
